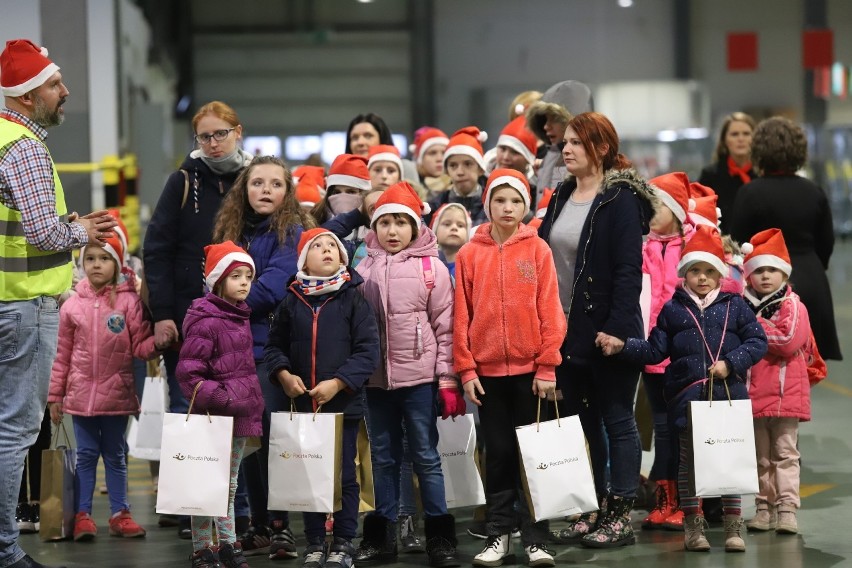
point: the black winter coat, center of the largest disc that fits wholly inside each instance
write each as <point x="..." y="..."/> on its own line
<point x="325" y="337"/>
<point x="173" y="251"/>
<point x="608" y="274"/>
<point x="801" y="210"/>
<point x="716" y="177"/>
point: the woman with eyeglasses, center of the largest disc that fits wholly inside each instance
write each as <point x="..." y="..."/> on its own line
<point x="182" y="225"/>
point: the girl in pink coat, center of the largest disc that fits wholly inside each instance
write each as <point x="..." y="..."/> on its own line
<point x="410" y="290"/>
<point x="101" y="329"/>
<point x="779" y="386"/>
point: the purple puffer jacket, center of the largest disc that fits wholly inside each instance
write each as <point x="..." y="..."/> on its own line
<point x="217" y="352"/>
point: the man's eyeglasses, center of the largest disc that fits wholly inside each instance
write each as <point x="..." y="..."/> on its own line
<point x="218" y="135"/>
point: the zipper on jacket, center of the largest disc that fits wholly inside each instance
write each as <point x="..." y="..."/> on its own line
<point x="95" y="355"/>
<point x="503" y="308"/>
<point x="315" y="312"/>
<point x="418" y="338"/>
<point x="385" y="301"/>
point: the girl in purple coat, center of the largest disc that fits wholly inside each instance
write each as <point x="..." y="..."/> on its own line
<point x="216" y="369"/>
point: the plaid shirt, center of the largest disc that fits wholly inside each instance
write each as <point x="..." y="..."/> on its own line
<point x="26" y="185"/>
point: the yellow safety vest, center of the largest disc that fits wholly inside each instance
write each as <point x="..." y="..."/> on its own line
<point x="25" y="271"/>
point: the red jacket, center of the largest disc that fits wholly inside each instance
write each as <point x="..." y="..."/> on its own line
<point x="508" y="317"/>
<point x="778" y="383"/>
<point x="93" y="371"/>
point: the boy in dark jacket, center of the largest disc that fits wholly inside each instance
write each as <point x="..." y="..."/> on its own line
<point x="707" y="333"/>
<point x="323" y="346"/>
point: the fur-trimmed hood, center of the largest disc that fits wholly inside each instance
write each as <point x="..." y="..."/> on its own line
<point x="562" y="101"/>
<point x="640" y="187"/>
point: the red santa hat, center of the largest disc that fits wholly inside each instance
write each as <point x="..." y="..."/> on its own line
<point x="425" y="138"/>
<point x="504" y="176"/>
<point x="316" y="173"/>
<point x="221" y="259"/>
<point x="349" y="170"/>
<point x="519" y="138"/>
<point x="310" y="236"/>
<point x="766" y="248"/>
<point x="385" y="153"/>
<point x="467" y="141"/>
<point x="114" y="247"/>
<point x="308" y="191"/>
<point x="436" y="218"/>
<point x="704" y="246"/>
<point x="400" y="198"/>
<point x="23" y="67"/>
<point x="121" y="231"/>
<point x="703" y="211"/>
<point x="673" y="190"/>
<point x="543" y="203"/>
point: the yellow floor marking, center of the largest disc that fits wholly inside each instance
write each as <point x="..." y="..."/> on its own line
<point x="840" y="389"/>
<point x="808" y="489"/>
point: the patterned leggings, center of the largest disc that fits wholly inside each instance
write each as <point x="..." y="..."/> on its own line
<point x="690" y="504"/>
<point x="202" y="527"/>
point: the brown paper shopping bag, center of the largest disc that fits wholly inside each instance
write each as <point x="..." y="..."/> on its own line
<point x="58" y="466"/>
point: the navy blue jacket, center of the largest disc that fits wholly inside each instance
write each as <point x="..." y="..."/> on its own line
<point x="608" y="274"/>
<point x="743" y="343"/>
<point x="173" y="251"/>
<point x="325" y="337"/>
<point x="275" y="264"/>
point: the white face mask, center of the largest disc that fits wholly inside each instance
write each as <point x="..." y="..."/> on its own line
<point x="344" y="202"/>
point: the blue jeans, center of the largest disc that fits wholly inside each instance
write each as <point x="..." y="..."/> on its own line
<point x="28" y="336"/>
<point x="417" y="408"/>
<point x="100" y="436"/>
<point x="177" y="402"/>
<point x="407" y="501"/>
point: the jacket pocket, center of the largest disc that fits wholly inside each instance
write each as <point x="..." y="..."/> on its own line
<point x="243" y="395"/>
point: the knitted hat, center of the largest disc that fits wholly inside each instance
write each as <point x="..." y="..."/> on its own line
<point x="400" y="198"/>
<point x="221" y="259"/>
<point x="467" y="141"/>
<point x="673" y="190"/>
<point x="766" y="248"/>
<point x="436" y="218"/>
<point x="23" y="67"/>
<point x="704" y="246"/>
<point x="543" y="203"/>
<point x="308" y="191"/>
<point x="385" y="153"/>
<point x="121" y="231"/>
<point x="519" y="138"/>
<point x="349" y="170"/>
<point x="504" y="176"/>
<point x="316" y="173"/>
<point x="310" y="236"/>
<point x="425" y="138"/>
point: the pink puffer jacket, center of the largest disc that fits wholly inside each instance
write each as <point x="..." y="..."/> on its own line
<point x="416" y="324"/>
<point x="93" y="371"/>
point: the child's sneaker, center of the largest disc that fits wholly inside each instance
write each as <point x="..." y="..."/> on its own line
<point x="340" y="554"/>
<point x="255" y="540"/>
<point x="84" y="527"/>
<point x="314" y="556"/>
<point x="282" y="542"/>
<point x="538" y="555"/>
<point x="787" y="523"/>
<point x="764" y="518"/>
<point x="204" y="558"/>
<point x="231" y="556"/>
<point x="23" y="516"/>
<point x="123" y="525"/>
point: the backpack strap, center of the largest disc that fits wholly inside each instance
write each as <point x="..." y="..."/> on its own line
<point x="428" y="272"/>
<point x="185" y="187"/>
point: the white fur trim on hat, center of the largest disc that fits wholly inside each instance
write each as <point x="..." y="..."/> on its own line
<point x="461" y="150"/>
<point x="219" y="270"/>
<point x="395" y="208"/>
<point x="113" y="253"/>
<point x="670" y="202"/>
<point x="512" y="182"/>
<point x="691" y="258"/>
<point x="303" y="256"/>
<point x="30" y="84"/>
<point x="761" y="260"/>
<point x="428" y="144"/>
<point x="350" y="181"/>
<point x="517" y="146"/>
<point x="700" y="220"/>
<point x="386" y="157"/>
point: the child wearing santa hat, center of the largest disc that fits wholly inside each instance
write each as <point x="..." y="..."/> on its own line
<point x="509" y="328"/>
<point x="465" y="164"/>
<point x="348" y="178"/>
<point x="708" y="333"/>
<point x="385" y="165"/>
<point x="428" y="153"/>
<point x="412" y="295"/>
<point x="779" y="387"/>
<point x="323" y="346"/>
<point x="216" y="369"/>
<point x="106" y="315"/>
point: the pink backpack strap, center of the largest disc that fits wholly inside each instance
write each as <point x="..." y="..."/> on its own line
<point x="428" y="272"/>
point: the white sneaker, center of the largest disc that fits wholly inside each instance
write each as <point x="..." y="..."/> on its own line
<point x="496" y="549"/>
<point x="539" y="556"/>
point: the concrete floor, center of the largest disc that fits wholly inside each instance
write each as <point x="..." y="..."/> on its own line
<point x="825" y="519"/>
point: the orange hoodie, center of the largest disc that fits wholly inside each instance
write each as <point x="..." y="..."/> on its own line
<point x="508" y="317"/>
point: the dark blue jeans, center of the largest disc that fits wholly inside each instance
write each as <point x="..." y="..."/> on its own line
<point x="387" y="410"/>
<point x="665" y="445"/>
<point x="602" y="393"/>
<point x="346" y="519"/>
<point x="101" y="436"/>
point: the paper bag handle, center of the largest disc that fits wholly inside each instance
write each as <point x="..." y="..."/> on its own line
<point x="61" y="427"/>
<point x="192" y="401"/>
<point x="727" y="390"/>
<point x="538" y="415"/>
<point x="293" y="409"/>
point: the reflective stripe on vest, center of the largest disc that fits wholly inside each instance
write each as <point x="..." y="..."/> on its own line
<point x="25" y="271"/>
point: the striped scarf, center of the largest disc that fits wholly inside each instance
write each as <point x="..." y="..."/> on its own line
<point x="319" y="285"/>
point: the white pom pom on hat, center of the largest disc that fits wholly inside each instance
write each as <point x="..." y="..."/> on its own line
<point x="747" y="248"/>
<point x="520" y="109"/>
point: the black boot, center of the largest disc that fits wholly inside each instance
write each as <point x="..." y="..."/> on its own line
<point x="379" y="543"/>
<point x="441" y="541"/>
<point x="614" y="528"/>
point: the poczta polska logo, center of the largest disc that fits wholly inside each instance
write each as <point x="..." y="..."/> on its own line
<point x="565" y="461"/>
<point x="300" y="455"/>
<point x="180" y="457"/>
